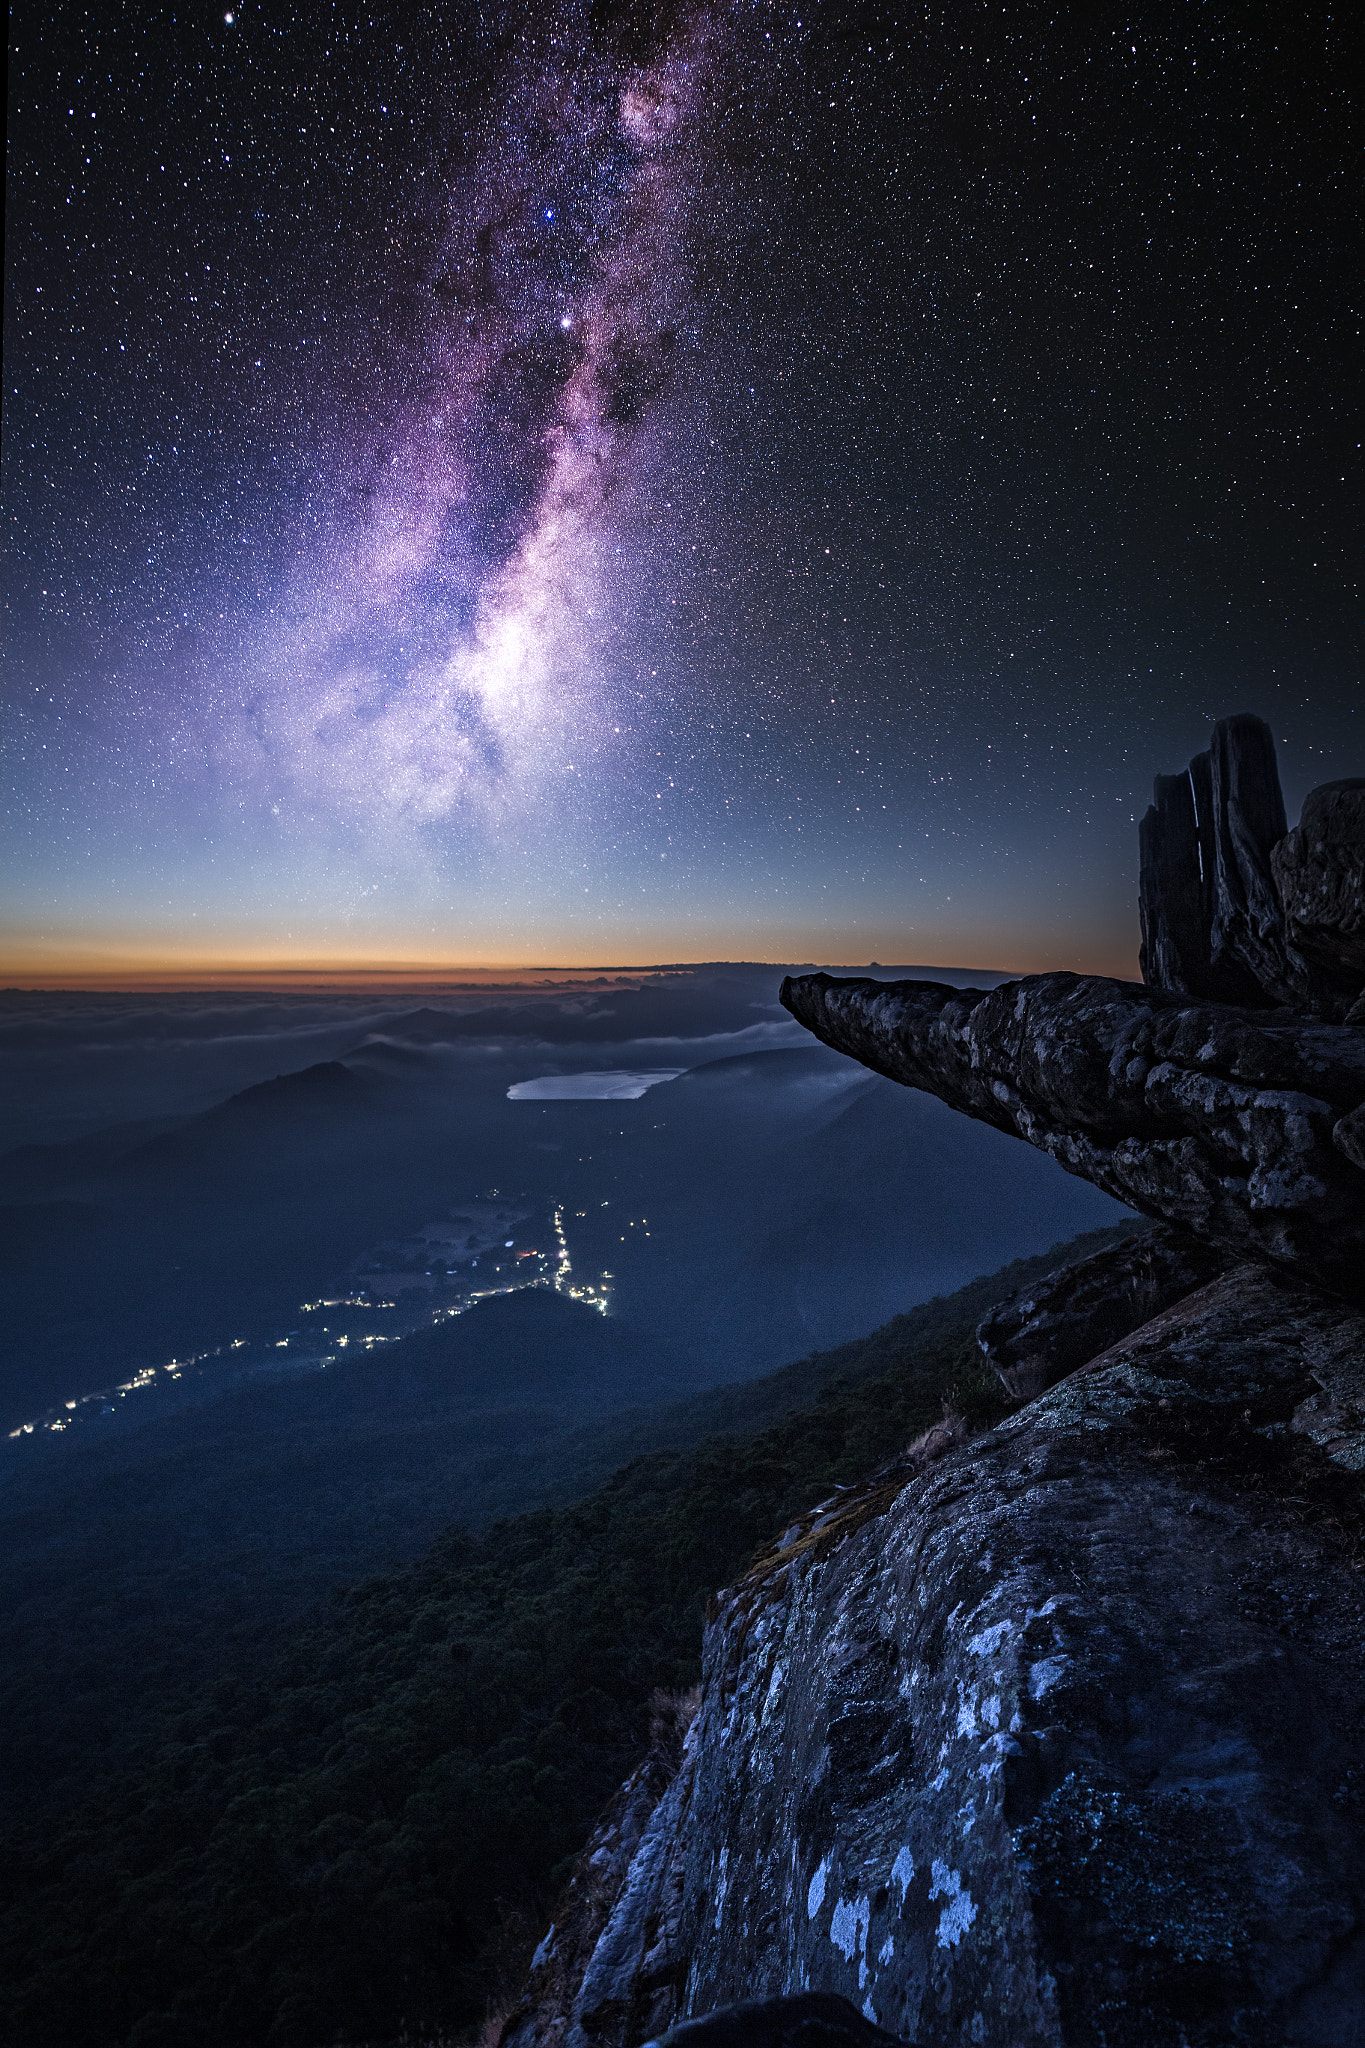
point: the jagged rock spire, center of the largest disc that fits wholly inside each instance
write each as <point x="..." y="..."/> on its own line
<point x="1175" y="883"/>
<point x="1213" y="926"/>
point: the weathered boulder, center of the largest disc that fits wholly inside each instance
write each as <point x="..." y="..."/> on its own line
<point x="1045" y="1331"/>
<point x="1057" y="1742"/>
<point x="1234" y="907"/>
<point x="1319" y="870"/>
<point x="1241" y="1127"/>
<point x="1052" y="1736"/>
<point x="1213" y="925"/>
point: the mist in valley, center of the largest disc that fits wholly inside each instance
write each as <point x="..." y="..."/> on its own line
<point x="293" y="1284"/>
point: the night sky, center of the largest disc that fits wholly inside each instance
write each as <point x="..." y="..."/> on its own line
<point x="613" y="483"/>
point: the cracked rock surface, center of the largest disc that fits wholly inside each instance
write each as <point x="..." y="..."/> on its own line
<point x="1244" y="1127"/>
<point x="1056" y="1740"/>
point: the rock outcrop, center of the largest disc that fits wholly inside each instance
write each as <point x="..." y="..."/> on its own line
<point x="1213" y="925"/>
<point x="1041" y="1334"/>
<point x="1234" y="907"/>
<point x="809" y="2019"/>
<point x="1060" y="1743"/>
<point x="1052" y="1737"/>
<point x="1240" y="1127"/>
<point x="1319" y="871"/>
<point x="565" y="1955"/>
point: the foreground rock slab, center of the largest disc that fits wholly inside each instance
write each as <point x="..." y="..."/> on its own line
<point x="1060" y="1743"/>
<point x="1244" y="1127"/>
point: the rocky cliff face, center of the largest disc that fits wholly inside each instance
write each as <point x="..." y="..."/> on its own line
<point x="566" y="1954"/>
<point x="1054" y="1735"/>
<point x="1319" y="871"/>
<point x="1056" y="1741"/>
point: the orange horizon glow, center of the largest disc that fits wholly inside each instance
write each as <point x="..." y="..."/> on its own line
<point x="171" y="974"/>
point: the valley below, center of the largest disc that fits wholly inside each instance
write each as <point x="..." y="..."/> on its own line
<point x="458" y="1271"/>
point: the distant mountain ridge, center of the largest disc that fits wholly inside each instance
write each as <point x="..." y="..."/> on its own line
<point x="326" y="1088"/>
<point x="698" y="1199"/>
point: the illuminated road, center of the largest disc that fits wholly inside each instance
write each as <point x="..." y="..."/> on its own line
<point x="313" y="1349"/>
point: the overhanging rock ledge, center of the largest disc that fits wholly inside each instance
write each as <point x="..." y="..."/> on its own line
<point x="1246" y="1127"/>
<point x="1052" y="1736"/>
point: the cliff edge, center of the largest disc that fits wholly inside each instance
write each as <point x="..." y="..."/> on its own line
<point x="1053" y="1735"/>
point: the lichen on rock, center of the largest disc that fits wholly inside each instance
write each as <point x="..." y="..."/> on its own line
<point x="1046" y="1749"/>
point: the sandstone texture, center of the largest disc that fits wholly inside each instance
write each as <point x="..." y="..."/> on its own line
<point x="1053" y="1738"/>
<point x="1175" y="897"/>
<point x="1248" y="945"/>
<point x="540" y="2018"/>
<point x="1243" y="1127"/>
<point x="1054" y="1735"/>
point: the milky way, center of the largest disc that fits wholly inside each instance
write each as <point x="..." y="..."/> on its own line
<point x="452" y="652"/>
<point x="639" y="482"/>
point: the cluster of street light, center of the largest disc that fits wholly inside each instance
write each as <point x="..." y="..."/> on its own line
<point x="558" y="1274"/>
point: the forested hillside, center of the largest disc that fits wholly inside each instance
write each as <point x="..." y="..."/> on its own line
<point x="354" y="1837"/>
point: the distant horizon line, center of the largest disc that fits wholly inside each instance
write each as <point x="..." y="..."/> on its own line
<point x="449" y="977"/>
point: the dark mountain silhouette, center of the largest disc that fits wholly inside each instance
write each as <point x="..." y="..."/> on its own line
<point x="194" y="1714"/>
<point x="291" y="1106"/>
<point x="381" y="1055"/>
<point x="698" y="1198"/>
<point x="815" y="1199"/>
<point x="253" y="1505"/>
<point x="505" y="1350"/>
<point x="664" y="1007"/>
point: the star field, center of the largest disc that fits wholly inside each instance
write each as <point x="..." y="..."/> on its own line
<point x="617" y="482"/>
